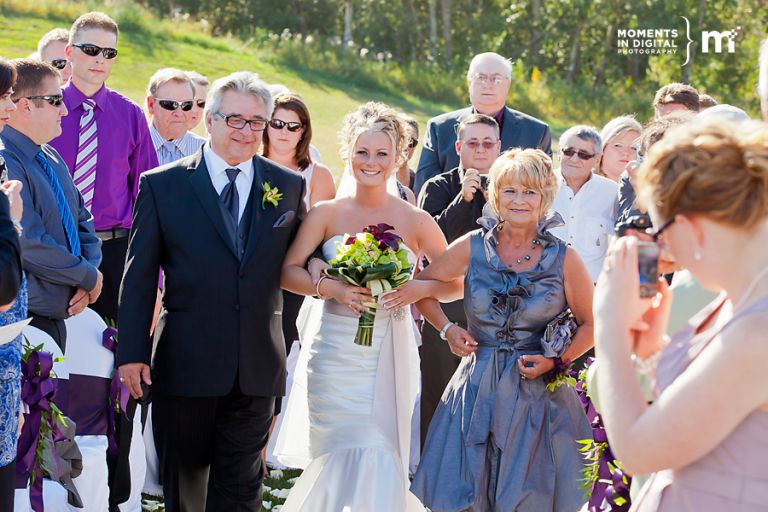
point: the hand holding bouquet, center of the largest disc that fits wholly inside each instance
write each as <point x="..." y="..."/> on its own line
<point x="376" y="259"/>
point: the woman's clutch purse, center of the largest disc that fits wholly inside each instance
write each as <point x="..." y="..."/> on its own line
<point x="559" y="334"/>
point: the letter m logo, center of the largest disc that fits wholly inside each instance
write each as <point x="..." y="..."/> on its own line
<point x="729" y="36"/>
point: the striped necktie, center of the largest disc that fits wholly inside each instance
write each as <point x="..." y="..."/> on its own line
<point x="67" y="220"/>
<point x="84" y="174"/>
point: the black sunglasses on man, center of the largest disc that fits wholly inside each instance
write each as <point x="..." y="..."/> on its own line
<point x="92" y="50"/>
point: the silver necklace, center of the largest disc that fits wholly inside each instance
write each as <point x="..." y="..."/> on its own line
<point x="535" y="242"/>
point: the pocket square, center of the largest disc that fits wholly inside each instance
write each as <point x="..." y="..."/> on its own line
<point x="284" y="219"/>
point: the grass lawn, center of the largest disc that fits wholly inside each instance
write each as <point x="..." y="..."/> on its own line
<point x="142" y="53"/>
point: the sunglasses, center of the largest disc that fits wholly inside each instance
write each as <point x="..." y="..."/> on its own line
<point x="59" y="63"/>
<point x="413" y="143"/>
<point x="172" y="105"/>
<point x="200" y="103"/>
<point x="661" y="230"/>
<point x="292" y="126"/>
<point x="475" y="145"/>
<point x="238" y="123"/>
<point x="92" y="50"/>
<point x="55" y="100"/>
<point x="583" y="155"/>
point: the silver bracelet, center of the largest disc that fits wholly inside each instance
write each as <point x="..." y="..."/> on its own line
<point x="444" y="330"/>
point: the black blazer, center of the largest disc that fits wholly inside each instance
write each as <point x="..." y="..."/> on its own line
<point x="10" y="251"/>
<point x="221" y="315"/>
<point x="439" y="152"/>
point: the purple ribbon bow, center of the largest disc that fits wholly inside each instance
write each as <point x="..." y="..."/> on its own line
<point x="609" y="487"/>
<point x="118" y="392"/>
<point x="38" y="389"/>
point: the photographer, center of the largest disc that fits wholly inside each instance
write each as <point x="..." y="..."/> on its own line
<point x="705" y="187"/>
<point x="455" y="199"/>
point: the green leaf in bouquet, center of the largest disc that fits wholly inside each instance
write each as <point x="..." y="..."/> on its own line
<point x="378" y="272"/>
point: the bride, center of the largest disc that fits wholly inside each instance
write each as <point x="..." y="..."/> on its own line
<point x="349" y="418"/>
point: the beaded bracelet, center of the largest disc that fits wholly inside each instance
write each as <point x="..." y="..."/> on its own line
<point x="646" y="365"/>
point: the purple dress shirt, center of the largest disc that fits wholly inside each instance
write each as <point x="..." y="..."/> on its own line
<point x="125" y="151"/>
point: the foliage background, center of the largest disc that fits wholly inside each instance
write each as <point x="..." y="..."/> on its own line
<point x="413" y="54"/>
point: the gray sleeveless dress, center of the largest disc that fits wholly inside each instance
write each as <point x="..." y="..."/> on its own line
<point x="496" y="442"/>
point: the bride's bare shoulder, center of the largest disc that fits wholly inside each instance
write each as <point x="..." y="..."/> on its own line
<point x="415" y="213"/>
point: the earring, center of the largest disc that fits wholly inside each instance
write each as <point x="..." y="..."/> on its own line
<point x="697" y="255"/>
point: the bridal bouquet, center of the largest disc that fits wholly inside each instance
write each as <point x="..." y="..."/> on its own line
<point x="376" y="259"/>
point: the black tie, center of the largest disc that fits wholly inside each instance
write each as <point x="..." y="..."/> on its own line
<point x="229" y="195"/>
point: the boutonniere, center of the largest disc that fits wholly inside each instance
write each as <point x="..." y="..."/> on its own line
<point x="271" y="195"/>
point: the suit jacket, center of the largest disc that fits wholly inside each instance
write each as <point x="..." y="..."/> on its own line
<point x="439" y="152"/>
<point x="441" y="197"/>
<point x="221" y="315"/>
<point x="10" y="251"/>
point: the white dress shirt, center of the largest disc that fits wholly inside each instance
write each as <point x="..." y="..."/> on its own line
<point x="217" y="169"/>
<point x="589" y="217"/>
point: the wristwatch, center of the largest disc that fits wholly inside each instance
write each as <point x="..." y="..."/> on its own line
<point x="17" y="226"/>
<point x="444" y="330"/>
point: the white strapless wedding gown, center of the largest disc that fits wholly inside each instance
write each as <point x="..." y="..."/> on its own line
<point x="348" y="419"/>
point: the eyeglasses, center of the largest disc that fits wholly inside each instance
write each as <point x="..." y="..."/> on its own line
<point x="59" y="63"/>
<point x="583" y="155"/>
<point x="492" y="79"/>
<point x="200" y="103"/>
<point x="55" y="100"/>
<point x="413" y="143"/>
<point x="661" y="230"/>
<point x="474" y="145"/>
<point x="279" y="124"/>
<point x="172" y="105"/>
<point x="237" y="122"/>
<point x="92" y="50"/>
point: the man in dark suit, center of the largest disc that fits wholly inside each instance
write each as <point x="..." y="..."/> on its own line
<point x="455" y="199"/>
<point x="488" y="78"/>
<point x="217" y="226"/>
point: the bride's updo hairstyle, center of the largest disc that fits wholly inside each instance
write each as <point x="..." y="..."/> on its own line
<point x="715" y="169"/>
<point x="532" y="167"/>
<point x="373" y="117"/>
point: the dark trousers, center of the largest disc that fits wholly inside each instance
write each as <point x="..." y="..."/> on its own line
<point x="7" y="485"/>
<point x="438" y="364"/>
<point x="53" y="327"/>
<point x="112" y="265"/>
<point x="210" y="450"/>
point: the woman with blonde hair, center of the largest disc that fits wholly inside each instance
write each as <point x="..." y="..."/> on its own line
<point x="348" y="418"/>
<point x="500" y="439"/>
<point x="620" y="136"/>
<point x="705" y="436"/>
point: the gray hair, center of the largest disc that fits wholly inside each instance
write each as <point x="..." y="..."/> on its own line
<point x="617" y="127"/>
<point x="725" y="112"/>
<point x="584" y="132"/>
<point x="762" y="84"/>
<point x="244" y="82"/>
<point x="57" y="34"/>
<point x="276" y="89"/>
<point x="198" y="79"/>
<point x="492" y="56"/>
<point x="165" y="75"/>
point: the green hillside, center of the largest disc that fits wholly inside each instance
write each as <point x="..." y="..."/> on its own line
<point x="146" y="45"/>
